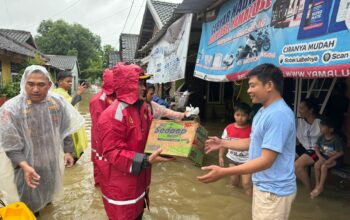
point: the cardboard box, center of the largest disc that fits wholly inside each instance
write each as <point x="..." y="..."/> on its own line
<point x="178" y="138"/>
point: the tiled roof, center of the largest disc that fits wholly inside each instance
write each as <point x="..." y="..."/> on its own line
<point x="21" y="36"/>
<point x="11" y="45"/>
<point x="113" y="58"/>
<point x="24" y="37"/>
<point x="62" y="62"/>
<point x="160" y="33"/>
<point x="171" y="15"/>
<point x="128" y="46"/>
<point x="167" y="15"/>
<point x="164" y="10"/>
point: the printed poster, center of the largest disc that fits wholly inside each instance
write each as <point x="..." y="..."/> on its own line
<point x="305" y="38"/>
<point x="168" y="57"/>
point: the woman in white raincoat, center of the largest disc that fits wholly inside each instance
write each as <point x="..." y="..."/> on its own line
<point x="35" y="127"/>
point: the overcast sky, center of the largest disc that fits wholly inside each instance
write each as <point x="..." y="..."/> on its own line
<point x="105" y="18"/>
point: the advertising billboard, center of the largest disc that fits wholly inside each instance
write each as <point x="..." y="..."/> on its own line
<point x="305" y="38"/>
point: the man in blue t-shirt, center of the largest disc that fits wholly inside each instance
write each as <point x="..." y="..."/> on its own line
<point x="271" y="147"/>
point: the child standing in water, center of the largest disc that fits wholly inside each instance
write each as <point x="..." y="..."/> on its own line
<point x="329" y="149"/>
<point x="238" y="130"/>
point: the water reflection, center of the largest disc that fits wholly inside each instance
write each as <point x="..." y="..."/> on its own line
<point x="177" y="195"/>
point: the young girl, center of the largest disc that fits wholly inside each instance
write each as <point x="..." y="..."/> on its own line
<point x="329" y="149"/>
<point x="237" y="130"/>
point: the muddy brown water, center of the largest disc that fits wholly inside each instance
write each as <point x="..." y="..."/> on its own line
<point x="177" y="195"/>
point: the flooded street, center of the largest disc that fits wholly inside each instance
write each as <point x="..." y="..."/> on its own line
<point x="176" y="193"/>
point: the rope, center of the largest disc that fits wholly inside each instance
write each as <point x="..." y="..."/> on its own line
<point x="240" y="88"/>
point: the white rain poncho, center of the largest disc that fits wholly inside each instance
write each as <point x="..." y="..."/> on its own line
<point x="8" y="189"/>
<point x="34" y="132"/>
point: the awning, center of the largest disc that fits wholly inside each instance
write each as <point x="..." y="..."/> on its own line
<point x="194" y="6"/>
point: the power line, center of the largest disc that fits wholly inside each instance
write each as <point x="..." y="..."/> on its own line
<point x="137" y="16"/>
<point x="60" y="12"/>
<point x="102" y="19"/>
<point x="70" y="6"/>
<point x="126" y="21"/>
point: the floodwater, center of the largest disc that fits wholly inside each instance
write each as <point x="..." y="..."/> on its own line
<point x="177" y="195"/>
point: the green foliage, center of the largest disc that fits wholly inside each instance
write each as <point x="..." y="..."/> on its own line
<point x="30" y="61"/>
<point x="94" y="71"/>
<point x="107" y="49"/>
<point x="10" y="90"/>
<point x="60" y="38"/>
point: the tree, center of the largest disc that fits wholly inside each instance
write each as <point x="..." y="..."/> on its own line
<point x="107" y="49"/>
<point x="60" y="38"/>
<point x="12" y="89"/>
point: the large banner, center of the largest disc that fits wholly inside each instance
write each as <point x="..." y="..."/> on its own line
<point x="305" y="38"/>
<point x="168" y="57"/>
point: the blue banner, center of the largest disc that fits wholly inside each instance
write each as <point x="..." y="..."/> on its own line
<point x="305" y="38"/>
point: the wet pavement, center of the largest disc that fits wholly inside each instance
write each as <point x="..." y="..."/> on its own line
<point x="177" y="195"/>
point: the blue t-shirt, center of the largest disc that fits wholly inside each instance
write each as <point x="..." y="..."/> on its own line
<point x="161" y="101"/>
<point x="274" y="129"/>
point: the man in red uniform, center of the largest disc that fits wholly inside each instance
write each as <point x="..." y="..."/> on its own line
<point x="98" y="103"/>
<point x="122" y="134"/>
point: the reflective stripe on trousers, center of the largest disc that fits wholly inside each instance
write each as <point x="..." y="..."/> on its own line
<point x="126" y="202"/>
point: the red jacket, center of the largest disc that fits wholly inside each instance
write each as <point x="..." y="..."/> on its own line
<point x="122" y="134"/>
<point x="98" y="104"/>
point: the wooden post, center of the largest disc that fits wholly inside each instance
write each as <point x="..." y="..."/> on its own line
<point x="6" y="70"/>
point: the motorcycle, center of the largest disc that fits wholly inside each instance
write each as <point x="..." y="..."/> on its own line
<point x="229" y="58"/>
<point x="263" y="41"/>
<point x="249" y="50"/>
<point x="244" y="52"/>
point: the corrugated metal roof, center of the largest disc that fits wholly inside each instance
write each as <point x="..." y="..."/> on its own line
<point x="62" y="62"/>
<point x="11" y="45"/>
<point x="128" y="46"/>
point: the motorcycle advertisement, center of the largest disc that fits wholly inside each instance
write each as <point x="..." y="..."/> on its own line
<point x="305" y="38"/>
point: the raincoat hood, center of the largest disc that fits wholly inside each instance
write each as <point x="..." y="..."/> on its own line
<point x="107" y="86"/>
<point x="34" y="132"/>
<point x="29" y="70"/>
<point x="126" y="78"/>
